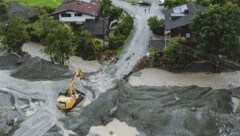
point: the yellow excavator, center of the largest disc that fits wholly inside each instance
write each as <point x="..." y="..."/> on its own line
<point x="71" y="97"/>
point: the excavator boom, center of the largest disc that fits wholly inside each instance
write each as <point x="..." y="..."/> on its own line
<point x="71" y="97"/>
<point x="78" y="73"/>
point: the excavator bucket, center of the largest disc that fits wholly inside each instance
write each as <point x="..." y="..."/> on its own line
<point x="80" y="73"/>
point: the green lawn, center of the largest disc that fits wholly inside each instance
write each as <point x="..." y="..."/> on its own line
<point x="39" y="3"/>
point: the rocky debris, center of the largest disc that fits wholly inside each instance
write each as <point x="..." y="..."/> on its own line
<point x="54" y="131"/>
<point x="33" y="69"/>
<point x="113" y="111"/>
<point x="111" y="132"/>
<point x="12" y="122"/>
<point x="154" y="111"/>
<point x="193" y="109"/>
<point x="142" y="63"/>
<point x="40" y="69"/>
<point x="9" y="61"/>
<point x="13" y="108"/>
<point x="8" y="118"/>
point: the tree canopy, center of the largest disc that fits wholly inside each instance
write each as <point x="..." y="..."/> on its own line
<point x="14" y="34"/>
<point x="121" y="33"/>
<point x="217" y="30"/>
<point x="126" y="25"/>
<point x="3" y="9"/>
<point x="59" y="43"/>
<point x="175" y="53"/>
<point x="84" y="44"/>
<point x="105" y="7"/>
<point x="173" y="3"/>
<point x="157" y="26"/>
<point x="42" y="27"/>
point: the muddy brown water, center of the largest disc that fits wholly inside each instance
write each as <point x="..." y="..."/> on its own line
<point x="153" y="111"/>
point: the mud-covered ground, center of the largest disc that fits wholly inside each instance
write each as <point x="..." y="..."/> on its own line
<point x="174" y="111"/>
<point x="33" y="68"/>
<point x="9" y="117"/>
<point x="17" y="105"/>
<point x="153" y="111"/>
<point x="164" y="111"/>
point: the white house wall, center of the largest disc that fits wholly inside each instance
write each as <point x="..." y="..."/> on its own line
<point x="74" y="18"/>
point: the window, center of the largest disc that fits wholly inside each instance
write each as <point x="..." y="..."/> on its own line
<point x="78" y="14"/>
<point x="65" y="15"/>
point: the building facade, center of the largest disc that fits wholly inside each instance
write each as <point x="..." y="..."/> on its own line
<point x="78" y="11"/>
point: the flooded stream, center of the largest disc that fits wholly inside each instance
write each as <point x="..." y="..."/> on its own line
<point x="28" y="108"/>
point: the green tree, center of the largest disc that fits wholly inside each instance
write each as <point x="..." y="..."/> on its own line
<point x="97" y="44"/>
<point x="3" y="9"/>
<point x="175" y="54"/>
<point x="120" y="34"/>
<point x="105" y="7"/>
<point x="116" y="41"/>
<point x="221" y="2"/>
<point x="203" y="2"/>
<point x="115" y="13"/>
<point x="173" y="3"/>
<point x="126" y="25"/>
<point x="14" y="34"/>
<point x="236" y="2"/>
<point x="42" y="27"/>
<point x="59" y="43"/>
<point x="217" y="30"/>
<point x="3" y="13"/>
<point x="157" y="26"/>
<point x="84" y="45"/>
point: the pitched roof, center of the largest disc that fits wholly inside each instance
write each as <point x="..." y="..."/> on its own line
<point x="96" y="27"/>
<point x="183" y="14"/>
<point x="91" y="8"/>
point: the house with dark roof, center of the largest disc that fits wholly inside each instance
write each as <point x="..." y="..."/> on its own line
<point x="178" y="20"/>
<point x="78" y="11"/>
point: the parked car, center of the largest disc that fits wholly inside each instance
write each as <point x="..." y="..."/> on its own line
<point x="144" y="3"/>
<point x="160" y="2"/>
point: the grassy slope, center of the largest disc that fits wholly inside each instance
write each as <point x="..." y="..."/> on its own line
<point x="39" y="3"/>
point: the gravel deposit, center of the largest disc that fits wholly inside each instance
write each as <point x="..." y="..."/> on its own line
<point x="9" y="116"/>
<point x="9" y="61"/>
<point x="33" y="68"/>
<point x="175" y="111"/>
<point x="40" y="69"/>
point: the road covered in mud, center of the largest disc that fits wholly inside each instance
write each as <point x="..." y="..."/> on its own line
<point x="29" y="87"/>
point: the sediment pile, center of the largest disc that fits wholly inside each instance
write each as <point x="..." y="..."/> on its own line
<point x="33" y="68"/>
<point x="162" y="111"/>
<point x="40" y="69"/>
<point x="9" y="61"/>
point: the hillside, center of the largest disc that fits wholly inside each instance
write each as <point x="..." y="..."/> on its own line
<point x="39" y="3"/>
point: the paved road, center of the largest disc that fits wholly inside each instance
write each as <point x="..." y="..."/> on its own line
<point x="134" y="50"/>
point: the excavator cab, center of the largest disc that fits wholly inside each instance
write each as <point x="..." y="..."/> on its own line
<point x="72" y="96"/>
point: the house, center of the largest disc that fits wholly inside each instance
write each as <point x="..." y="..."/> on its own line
<point x="178" y="20"/>
<point x="78" y="11"/>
